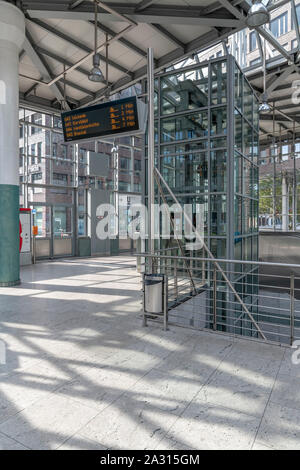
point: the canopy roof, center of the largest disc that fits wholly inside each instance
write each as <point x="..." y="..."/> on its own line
<point x="60" y="39"/>
<point x="61" y="33"/>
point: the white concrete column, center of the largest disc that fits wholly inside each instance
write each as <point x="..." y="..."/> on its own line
<point x="285" y="211"/>
<point x="12" y="35"/>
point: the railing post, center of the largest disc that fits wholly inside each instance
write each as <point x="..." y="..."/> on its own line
<point x="145" y="323"/>
<point x="292" y="305"/>
<point x="175" y="279"/>
<point x="215" y="299"/>
<point x="165" y="302"/>
<point x="203" y="268"/>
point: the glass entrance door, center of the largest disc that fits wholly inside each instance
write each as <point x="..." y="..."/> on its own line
<point x="55" y="230"/>
<point x="42" y="218"/>
<point x="62" y="231"/>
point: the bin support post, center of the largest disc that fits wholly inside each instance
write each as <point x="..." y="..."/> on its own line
<point x="166" y="303"/>
<point x="144" y="309"/>
<point x="292" y="306"/>
<point x="215" y="298"/>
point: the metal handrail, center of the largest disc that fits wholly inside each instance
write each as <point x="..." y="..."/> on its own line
<point x="277" y="315"/>
<point x="222" y="260"/>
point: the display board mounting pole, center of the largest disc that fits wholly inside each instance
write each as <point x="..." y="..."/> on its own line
<point x="150" y="85"/>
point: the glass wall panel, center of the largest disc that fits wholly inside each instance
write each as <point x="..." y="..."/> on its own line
<point x="218" y="164"/>
<point x="238" y="171"/>
<point x="187" y="126"/>
<point x="248" y="102"/>
<point x="186" y="173"/>
<point x="247" y="140"/>
<point x="218" y="214"/>
<point x="184" y="90"/>
<point x="238" y="131"/>
<point x="218" y="247"/>
<point x="238" y="88"/>
<point x="218" y="82"/>
<point x="218" y="118"/>
<point x="238" y="207"/>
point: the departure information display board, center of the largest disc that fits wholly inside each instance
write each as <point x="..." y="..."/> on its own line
<point x="113" y="117"/>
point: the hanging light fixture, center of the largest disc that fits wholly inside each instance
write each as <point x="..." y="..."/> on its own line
<point x="107" y="91"/>
<point x="257" y="15"/>
<point x="95" y="74"/>
<point x="264" y="107"/>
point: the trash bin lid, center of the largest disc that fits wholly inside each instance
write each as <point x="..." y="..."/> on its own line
<point x="151" y="279"/>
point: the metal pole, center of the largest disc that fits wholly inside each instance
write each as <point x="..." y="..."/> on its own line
<point x="292" y="305"/>
<point x="150" y="84"/>
<point x="215" y="299"/>
<point x="166" y="303"/>
<point x="175" y="279"/>
<point x="294" y="182"/>
<point x="34" y="251"/>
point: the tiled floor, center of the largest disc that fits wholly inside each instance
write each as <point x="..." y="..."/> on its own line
<point x="82" y="373"/>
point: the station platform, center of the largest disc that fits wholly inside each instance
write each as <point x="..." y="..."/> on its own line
<point x="82" y="373"/>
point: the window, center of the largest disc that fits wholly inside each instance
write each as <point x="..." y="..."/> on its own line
<point x="278" y="25"/>
<point x="219" y="54"/>
<point x="124" y="163"/>
<point x="294" y="44"/>
<point x="57" y="122"/>
<point x="137" y="165"/>
<point x="285" y="152"/>
<point x="82" y="156"/>
<point x="36" y="177"/>
<point x="54" y="149"/>
<point x="21" y="185"/>
<point x="252" y="41"/>
<point x="60" y="179"/>
<point x="36" y="119"/>
<point x="33" y="148"/>
<point x="21" y="132"/>
<point x="39" y="151"/>
<point x="64" y="151"/>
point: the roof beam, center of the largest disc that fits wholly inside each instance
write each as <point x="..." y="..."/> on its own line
<point x="75" y="4"/>
<point x="279" y="118"/>
<point x="30" y="90"/>
<point x="266" y="33"/>
<point x="168" y="35"/>
<point x="144" y="4"/>
<point x="21" y="55"/>
<point x="42" y="66"/>
<point x="202" y="42"/>
<point x="232" y="9"/>
<point x="62" y="60"/>
<point x="157" y="14"/>
<point x="275" y="81"/>
<point x="133" y="47"/>
<point x="76" y="43"/>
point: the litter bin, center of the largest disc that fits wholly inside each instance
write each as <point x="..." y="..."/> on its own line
<point x="153" y="288"/>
